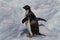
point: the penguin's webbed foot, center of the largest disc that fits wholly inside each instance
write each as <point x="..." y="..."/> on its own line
<point x="29" y="35"/>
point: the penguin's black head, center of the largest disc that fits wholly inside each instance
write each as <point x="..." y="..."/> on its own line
<point x="26" y="7"/>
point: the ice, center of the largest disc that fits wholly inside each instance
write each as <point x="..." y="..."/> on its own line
<point x="12" y="13"/>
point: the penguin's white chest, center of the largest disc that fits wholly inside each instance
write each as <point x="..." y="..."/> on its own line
<point x="28" y="26"/>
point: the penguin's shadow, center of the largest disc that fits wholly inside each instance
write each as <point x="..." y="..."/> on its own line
<point x="25" y="31"/>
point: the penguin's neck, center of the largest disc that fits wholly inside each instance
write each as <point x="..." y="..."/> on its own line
<point x="27" y="11"/>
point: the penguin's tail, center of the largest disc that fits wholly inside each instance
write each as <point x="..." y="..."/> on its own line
<point x="40" y="34"/>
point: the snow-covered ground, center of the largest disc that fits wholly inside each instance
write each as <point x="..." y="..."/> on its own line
<point x="12" y="13"/>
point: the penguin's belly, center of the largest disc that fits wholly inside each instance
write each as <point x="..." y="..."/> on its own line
<point x="29" y="27"/>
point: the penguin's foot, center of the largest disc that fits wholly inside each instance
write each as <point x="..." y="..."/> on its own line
<point x="29" y="35"/>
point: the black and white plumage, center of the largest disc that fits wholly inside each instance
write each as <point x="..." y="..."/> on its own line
<point x="31" y="22"/>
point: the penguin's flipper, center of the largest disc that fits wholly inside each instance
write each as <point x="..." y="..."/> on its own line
<point x="41" y="19"/>
<point x="25" y="19"/>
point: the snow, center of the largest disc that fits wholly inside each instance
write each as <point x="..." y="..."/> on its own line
<point x="12" y="13"/>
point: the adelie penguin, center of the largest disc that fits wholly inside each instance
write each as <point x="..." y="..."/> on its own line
<point x="31" y="22"/>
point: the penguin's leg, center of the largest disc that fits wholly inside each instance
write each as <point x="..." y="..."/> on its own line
<point x="41" y="19"/>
